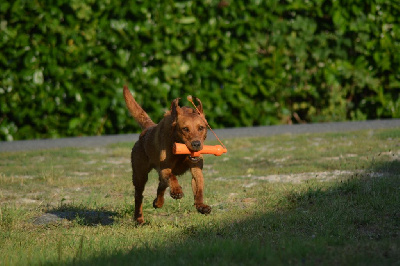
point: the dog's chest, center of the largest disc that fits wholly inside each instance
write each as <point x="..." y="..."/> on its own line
<point x="182" y="165"/>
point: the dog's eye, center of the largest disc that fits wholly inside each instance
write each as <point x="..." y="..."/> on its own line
<point x="201" y="128"/>
<point x="185" y="129"/>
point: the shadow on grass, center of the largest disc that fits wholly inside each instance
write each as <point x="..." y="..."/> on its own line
<point x="355" y="221"/>
<point x="78" y="214"/>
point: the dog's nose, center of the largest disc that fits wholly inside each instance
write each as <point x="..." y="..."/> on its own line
<point x="196" y="145"/>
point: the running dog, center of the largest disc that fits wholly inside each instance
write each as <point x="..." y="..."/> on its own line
<point x="154" y="149"/>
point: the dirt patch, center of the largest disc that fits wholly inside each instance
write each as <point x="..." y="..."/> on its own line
<point x="301" y="177"/>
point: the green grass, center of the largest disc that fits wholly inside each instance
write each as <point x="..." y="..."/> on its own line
<point x="292" y="199"/>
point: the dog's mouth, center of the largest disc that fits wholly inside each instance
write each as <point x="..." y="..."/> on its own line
<point x="194" y="159"/>
<point x="194" y="156"/>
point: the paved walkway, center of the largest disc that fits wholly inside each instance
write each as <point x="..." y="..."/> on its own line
<point x="222" y="133"/>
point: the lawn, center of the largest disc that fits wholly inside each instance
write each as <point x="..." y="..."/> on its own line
<point x="290" y="199"/>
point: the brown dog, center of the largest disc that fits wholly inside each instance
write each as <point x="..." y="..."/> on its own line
<point x="153" y="150"/>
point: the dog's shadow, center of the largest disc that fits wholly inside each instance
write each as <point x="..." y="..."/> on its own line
<point x="79" y="215"/>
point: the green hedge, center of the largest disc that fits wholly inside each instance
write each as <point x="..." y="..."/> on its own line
<point x="63" y="62"/>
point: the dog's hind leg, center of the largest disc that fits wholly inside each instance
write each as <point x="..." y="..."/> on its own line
<point x="139" y="179"/>
<point x="140" y="171"/>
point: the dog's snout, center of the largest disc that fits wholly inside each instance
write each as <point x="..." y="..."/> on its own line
<point x="196" y="145"/>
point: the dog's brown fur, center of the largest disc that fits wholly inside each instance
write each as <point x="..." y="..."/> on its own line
<point x="153" y="150"/>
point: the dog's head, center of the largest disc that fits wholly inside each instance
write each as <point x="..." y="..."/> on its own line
<point x="189" y="126"/>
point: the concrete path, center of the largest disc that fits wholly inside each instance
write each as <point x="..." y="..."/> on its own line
<point x="222" y="134"/>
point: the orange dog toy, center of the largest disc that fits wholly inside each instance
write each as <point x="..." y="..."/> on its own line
<point x="217" y="150"/>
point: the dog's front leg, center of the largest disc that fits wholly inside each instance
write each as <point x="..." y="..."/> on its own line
<point x="197" y="187"/>
<point x="167" y="179"/>
<point x="175" y="189"/>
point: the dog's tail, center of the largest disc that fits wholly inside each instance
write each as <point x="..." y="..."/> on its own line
<point x="136" y="110"/>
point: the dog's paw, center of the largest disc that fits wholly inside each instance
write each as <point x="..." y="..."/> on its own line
<point x="157" y="203"/>
<point x="204" y="209"/>
<point x="176" y="193"/>
<point x="139" y="220"/>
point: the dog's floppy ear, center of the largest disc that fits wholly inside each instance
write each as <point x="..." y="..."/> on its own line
<point x="175" y="109"/>
<point x="199" y="106"/>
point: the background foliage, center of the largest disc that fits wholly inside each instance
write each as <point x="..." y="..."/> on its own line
<point x="63" y="62"/>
